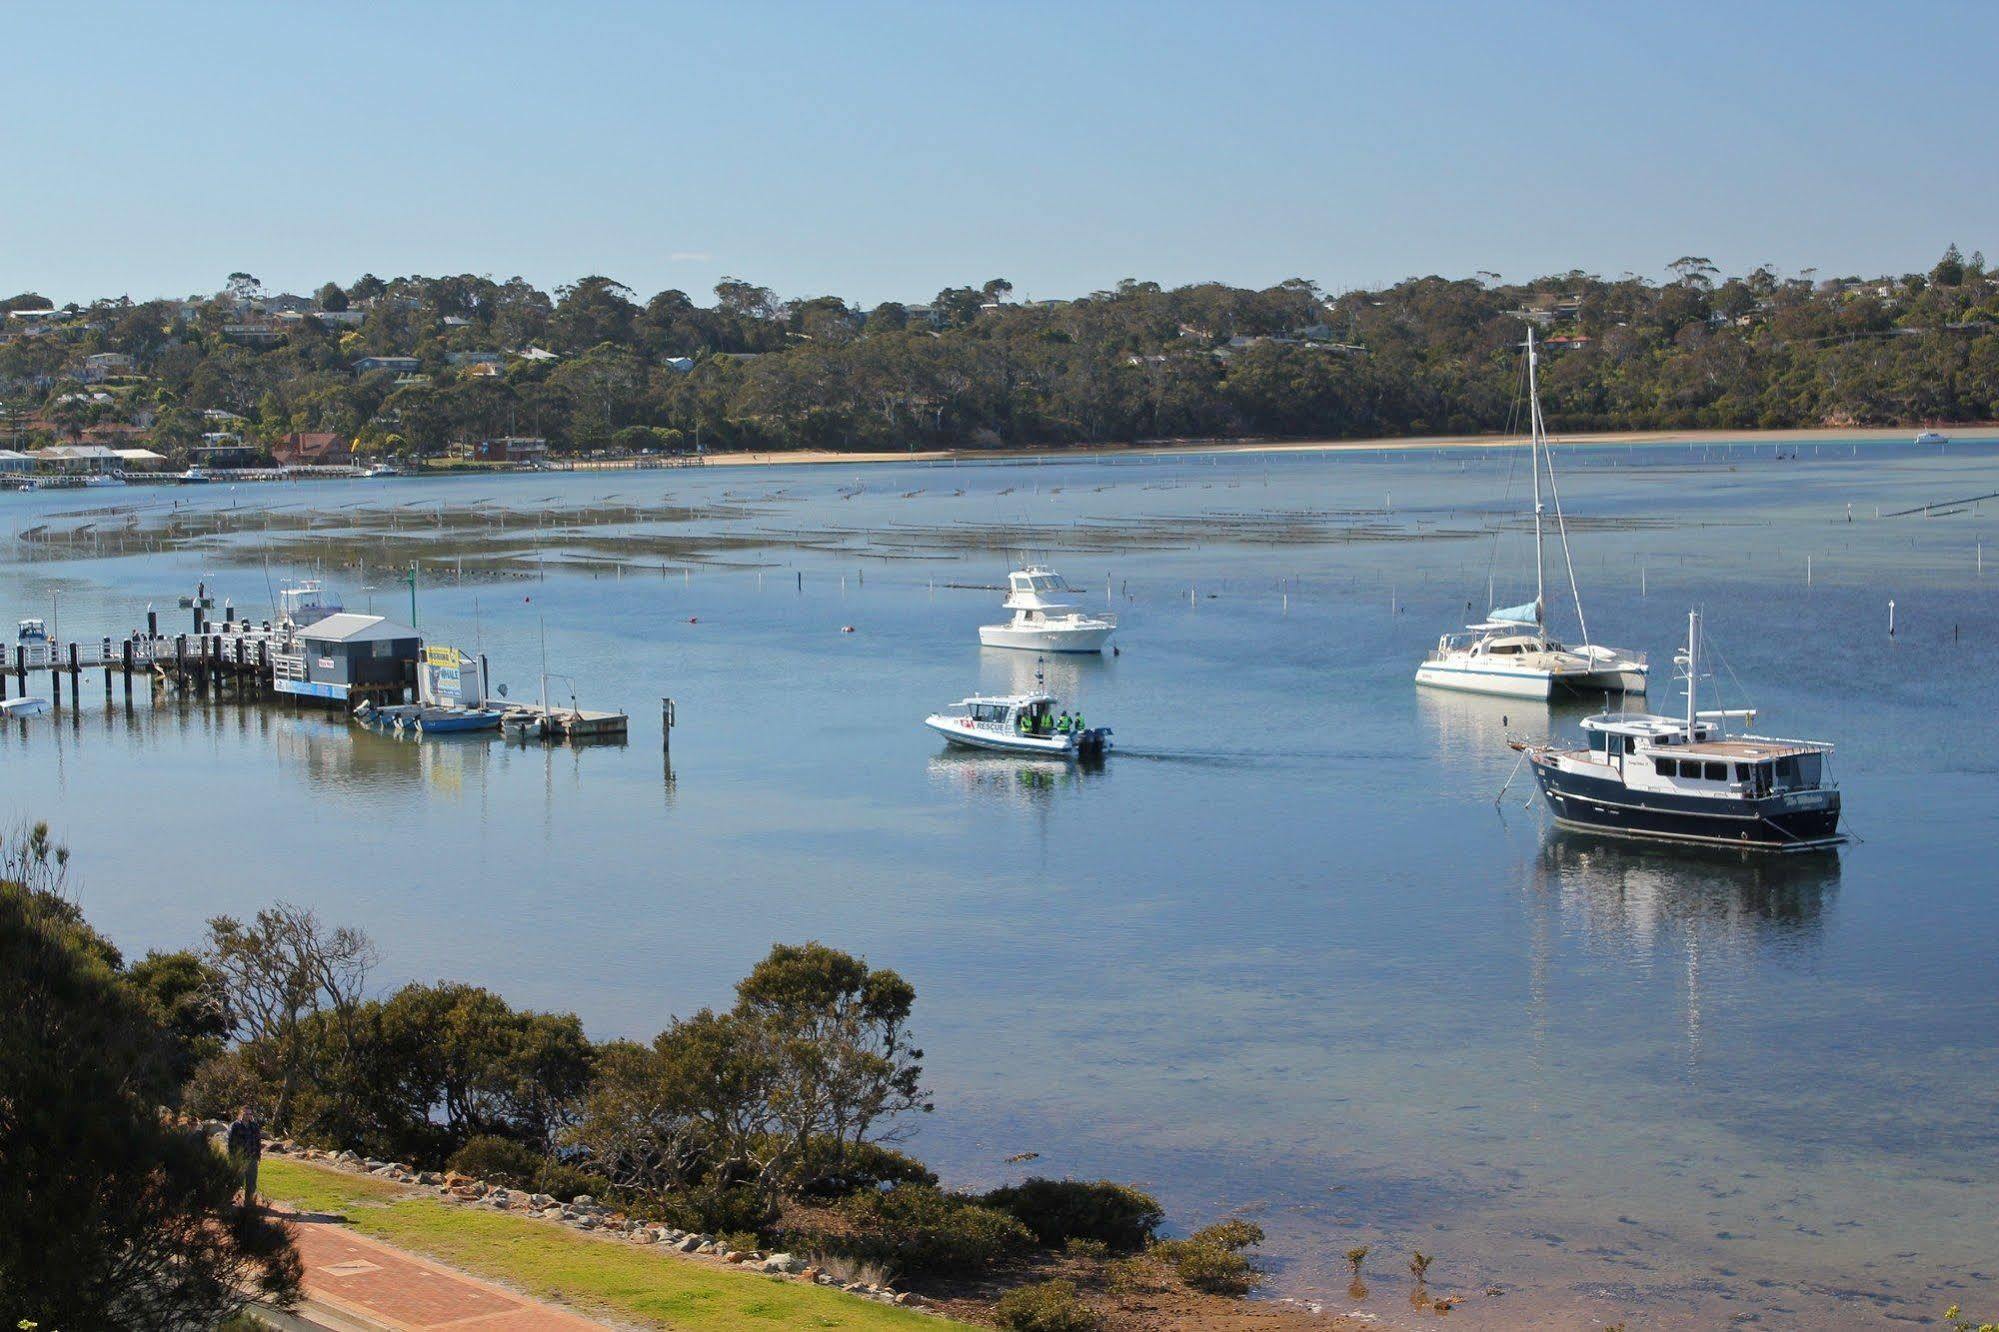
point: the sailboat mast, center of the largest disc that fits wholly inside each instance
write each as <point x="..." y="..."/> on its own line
<point x="1534" y="462"/>
<point x="1693" y="664"/>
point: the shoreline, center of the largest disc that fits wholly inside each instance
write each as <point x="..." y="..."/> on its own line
<point x="1386" y="444"/>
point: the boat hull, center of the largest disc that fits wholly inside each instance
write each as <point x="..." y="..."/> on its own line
<point x="1504" y="684"/>
<point x="1794" y="821"/>
<point x="1088" y="744"/>
<point x="1045" y="640"/>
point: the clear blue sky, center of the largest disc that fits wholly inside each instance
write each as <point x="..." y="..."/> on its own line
<point x="882" y="151"/>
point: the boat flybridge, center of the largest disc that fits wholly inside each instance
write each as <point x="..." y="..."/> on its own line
<point x="1020" y="724"/>
<point x="32" y="649"/>
<point x="1511" y="652"/>
<point x="1686" y="779"/>
<point x="1042" y="622"/>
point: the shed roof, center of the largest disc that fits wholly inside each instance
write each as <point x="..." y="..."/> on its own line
<point x="349" y="627"/>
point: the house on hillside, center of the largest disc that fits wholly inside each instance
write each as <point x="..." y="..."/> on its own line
<point x="462" y="358"/>
<point x="15" y="464"/>
<point x="100" y="366"/>
<point x="402" y="365"/>
<point x="313" y="448"/>
<point x="681" y="364"/>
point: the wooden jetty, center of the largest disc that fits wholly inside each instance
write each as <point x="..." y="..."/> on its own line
<point x="338" y="659"/>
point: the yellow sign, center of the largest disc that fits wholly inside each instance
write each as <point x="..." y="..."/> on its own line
<point x="444" y="658"/>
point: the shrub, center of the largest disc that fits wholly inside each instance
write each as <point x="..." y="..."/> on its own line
<point x="918" y="1229"/>
<point x="1211" y="1258"/>
<point x="1057" y="1210"/>
<point x="1090" y="1250"/>
<point x="863" y="1165"/>
<point x="1230" y="1235"/>
<point x="1213" y="1269"/>
<point x="501" y="1161"/>
<point x="715" y="1209"/>
<point x="224" y="1082"/>
<point x="560" y="1180"/>
<point x="1052" y="1306"/>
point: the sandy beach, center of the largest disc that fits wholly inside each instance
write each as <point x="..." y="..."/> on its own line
<point x="1973" y="429"/>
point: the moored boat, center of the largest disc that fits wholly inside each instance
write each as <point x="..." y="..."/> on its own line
<point x="1510" y="652"/>
<point x="1686" y="779"/>
<point x="1932" y="437"/>
<point x="1042" y="622"/>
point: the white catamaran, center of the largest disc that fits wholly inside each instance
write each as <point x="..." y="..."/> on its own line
<point x="1511" y="652"/>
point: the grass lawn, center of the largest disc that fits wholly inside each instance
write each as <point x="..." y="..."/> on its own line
<point x="631" y="1282"/>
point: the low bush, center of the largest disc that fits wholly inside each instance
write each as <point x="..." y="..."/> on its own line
<point x="501" y="1161"/>
<point x="917" y="1229"/>
<point x="1059" y="1210"/>
<point x="714" y="1208"/>
<point x="559" y="1180"/>
<point x="1215" y="1270"/>
<point x="223" y="1083"/>
<point x="863" y="1165"/>
<point x="1211" y="1259"/>
<point x="1089" y="1250"/>
<point x="1052" y="1306"/>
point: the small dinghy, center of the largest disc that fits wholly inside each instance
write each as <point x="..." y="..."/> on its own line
<point x="423" y="719"/>
<point x="24" y="707"/>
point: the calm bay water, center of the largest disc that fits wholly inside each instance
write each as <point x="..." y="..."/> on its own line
<point x="1283" y="953"/>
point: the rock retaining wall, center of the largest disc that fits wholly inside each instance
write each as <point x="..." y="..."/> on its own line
<point x="582" y="1212"/>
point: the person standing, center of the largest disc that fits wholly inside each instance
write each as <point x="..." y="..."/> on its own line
<point x="246" y="1147"/>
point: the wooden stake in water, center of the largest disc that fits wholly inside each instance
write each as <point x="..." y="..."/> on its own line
<point x="1808" y="571"/>
<point x="1891" y="617"/>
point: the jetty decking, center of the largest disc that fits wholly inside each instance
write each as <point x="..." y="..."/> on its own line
<point x="251" y="661"/>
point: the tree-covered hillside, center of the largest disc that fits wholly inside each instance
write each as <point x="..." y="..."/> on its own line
<point x="595" y="367"/>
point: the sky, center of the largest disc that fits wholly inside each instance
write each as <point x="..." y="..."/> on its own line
<point x="884" y="151"/>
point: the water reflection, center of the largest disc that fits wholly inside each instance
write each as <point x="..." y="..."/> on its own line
<point x="1462" y="725"/>
<point x="1067" y="675"/>
<point x="1640" y="892"/>
<point x="1026" y="783"/>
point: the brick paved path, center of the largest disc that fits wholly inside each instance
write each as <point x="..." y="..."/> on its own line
<point x="377" y="1285"/>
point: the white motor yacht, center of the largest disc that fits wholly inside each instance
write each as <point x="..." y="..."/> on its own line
<point x="1042" y="622"/>
<point x="1511" y="652"/>
<point x="1019" y="724"/>
<point x="1932" y="437"/>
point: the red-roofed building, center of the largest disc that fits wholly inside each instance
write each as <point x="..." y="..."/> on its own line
<point x="314" y="448"/>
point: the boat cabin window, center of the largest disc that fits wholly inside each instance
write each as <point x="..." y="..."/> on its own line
<point x="1667" y="767"/>
<point x="1716" y="772"/>
<point x="1799" y="772"/>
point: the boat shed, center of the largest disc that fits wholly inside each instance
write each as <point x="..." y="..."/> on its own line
<point x="347" y="656"/>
